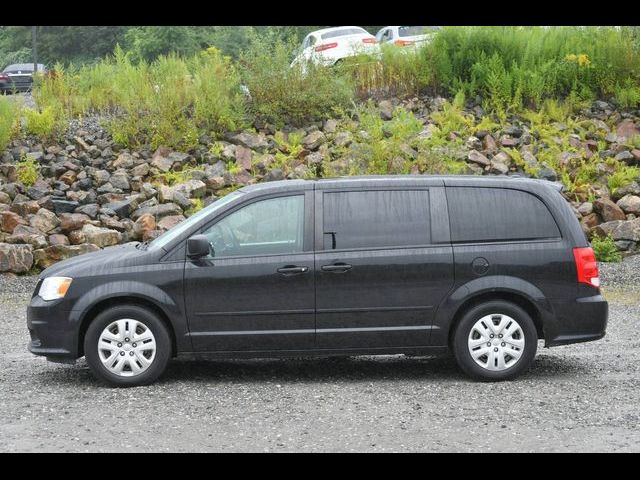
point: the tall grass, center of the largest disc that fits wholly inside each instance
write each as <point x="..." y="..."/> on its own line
<point x="511" y="65"/>
<point x="398" y="71"/>
<point x="165" y="102"/>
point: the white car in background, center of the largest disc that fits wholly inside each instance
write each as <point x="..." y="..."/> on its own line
<point x="406" y="36"/>
<point x="331" y="45"/>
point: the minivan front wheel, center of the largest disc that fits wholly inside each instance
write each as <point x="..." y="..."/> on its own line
<point x="127" y="345"/>
<point x="495" y="341"/>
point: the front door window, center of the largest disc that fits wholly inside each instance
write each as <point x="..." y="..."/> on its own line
<point x="266" y="227"/>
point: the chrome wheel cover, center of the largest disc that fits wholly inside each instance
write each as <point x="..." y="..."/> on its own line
<point x="496" y="342"/>
<point x="126" y="347"/>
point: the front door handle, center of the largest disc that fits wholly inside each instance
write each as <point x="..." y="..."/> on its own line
<point x="336" y="267"/>
<point x="292" y="270"/>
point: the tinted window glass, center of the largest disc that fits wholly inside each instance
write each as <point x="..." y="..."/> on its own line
<point x="376" y="219"/>
<point x="411" y="31"/>
<point x="267" y="227"/>
<point x="494" y="214"/>
<point x="342" y="33"/>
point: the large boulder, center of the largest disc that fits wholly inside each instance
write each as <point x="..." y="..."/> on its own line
<point x="620" y="230"/>
<point x="314" y="140"/>
<point x="608" y="210"/>
<point x="15" y="258"/>
<point x="28" y="235"/>
<point x="188" y="189"/>
<point x="45" y="220"/>
<point x="72" y="221"/>
<point x="10" y="220"/>
<point x="251" y="140"/>
<point x="386" y="109"/>
<point x="626" y="130"/>
<point x="46" y="257"/>
<point x="124" y="160"/>
<point x="164" y="159"/>
<point x="143" y="226"/>
<point x="476" y="157"/>
<point x="157" y="211"/>
<point x="170" y="221"/>
<point x="102" y="237"/>
<point x="244" y="157"/>
<point x="630" y="204"/>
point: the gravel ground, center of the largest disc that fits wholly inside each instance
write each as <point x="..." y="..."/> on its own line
<point x="583" y="397"/>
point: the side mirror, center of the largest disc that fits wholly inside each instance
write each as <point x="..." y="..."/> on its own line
<point x="197" y="247"/>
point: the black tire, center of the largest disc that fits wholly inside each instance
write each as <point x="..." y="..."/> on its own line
<point x="463" y="330"/>
<point x="151" y="321"/>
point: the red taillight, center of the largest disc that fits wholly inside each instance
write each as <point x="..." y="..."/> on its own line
<point x="403" y="43"/>
<point x="326" y="46"/>
<point x="369" y="40"/>
<point x="4" y="77"/>
<point x="586" y="266"/>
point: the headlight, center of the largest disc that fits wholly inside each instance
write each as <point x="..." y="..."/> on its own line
<point x="53" y="288"/>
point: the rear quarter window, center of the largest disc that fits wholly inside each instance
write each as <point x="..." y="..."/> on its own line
<point x="479" y="214"/>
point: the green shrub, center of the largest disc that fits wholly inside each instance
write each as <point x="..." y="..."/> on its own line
<point x="623" y="175"/>
<point x="605" y="249"/>
<point x="27" y="170"/>
<point x="46" y="124"/>
<point x="173" y="178"/>
<point x="284" y="94"/>
<point x="9" y="121"/>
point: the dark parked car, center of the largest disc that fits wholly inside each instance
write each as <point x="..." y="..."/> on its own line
<point x="19" y="77"/>
<point x="365" y="265"/>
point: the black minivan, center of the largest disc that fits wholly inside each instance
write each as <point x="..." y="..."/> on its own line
<point x="481" y="266"/>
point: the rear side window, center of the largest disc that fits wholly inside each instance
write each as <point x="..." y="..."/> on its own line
<point x="495" y="214"/>
<point x="376" y="218"/>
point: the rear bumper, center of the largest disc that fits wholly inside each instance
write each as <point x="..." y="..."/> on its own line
<point x="52" y="334"/>
<point x="580" y="320"/>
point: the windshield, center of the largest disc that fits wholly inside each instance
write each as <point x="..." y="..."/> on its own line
<point x="183" y="226"/>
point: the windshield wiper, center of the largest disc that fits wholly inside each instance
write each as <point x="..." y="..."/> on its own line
<point x="143" y="245"/>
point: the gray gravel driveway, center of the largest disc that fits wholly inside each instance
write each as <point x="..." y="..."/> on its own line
<point x="582" y="397"/>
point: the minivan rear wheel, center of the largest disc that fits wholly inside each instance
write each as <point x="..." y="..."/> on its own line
<point x="127" y="345"/>
<point x="495" y="341"/>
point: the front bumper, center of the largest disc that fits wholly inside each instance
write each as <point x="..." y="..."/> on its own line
<point x="52" y="333"/>
<point x="580" y="320"/>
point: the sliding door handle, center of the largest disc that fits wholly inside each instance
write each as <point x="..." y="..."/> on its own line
<point x="336" y="267"/>
<point x="292" y="270"/>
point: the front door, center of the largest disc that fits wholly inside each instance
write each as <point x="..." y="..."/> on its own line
<point x="255" y="291"/>
<point x="380" y="270"/>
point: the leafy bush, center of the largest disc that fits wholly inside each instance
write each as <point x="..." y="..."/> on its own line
<point x="605" y="249"/>
<point x="46" y="124"/>
<point x="27" y="170"/>
<point x="280" y="93"/>
<point x="9" y="121"/>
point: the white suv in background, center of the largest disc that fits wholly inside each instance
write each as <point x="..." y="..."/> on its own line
<point x="330" y="45"/>
<point x="406" y="36"/>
